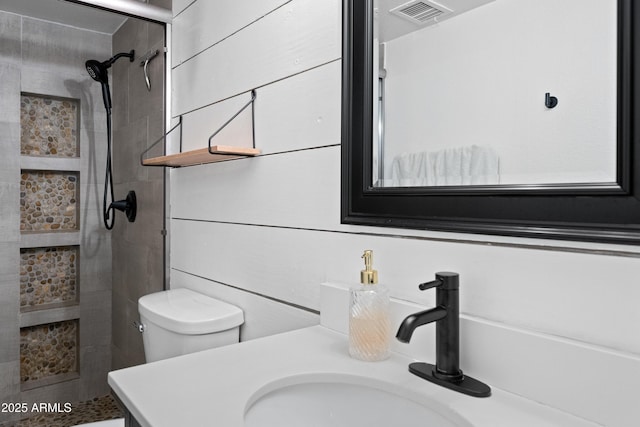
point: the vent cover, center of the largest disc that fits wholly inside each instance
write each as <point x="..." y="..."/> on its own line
<point x="420" y="12"/>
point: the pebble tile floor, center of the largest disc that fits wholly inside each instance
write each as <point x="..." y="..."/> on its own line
<point x="98" y="409"/>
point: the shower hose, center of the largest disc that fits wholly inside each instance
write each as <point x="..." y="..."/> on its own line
<point x="108" y="181"/>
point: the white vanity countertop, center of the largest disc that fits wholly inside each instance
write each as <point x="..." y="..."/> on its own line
<point x="214" y="387"/>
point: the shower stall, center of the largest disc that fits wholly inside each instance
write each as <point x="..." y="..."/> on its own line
<point x="68" y="286"/>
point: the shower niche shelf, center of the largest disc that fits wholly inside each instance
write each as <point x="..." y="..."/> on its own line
<point x="210" y="154"/>
<point x="48" y="277"/>
<point x="49" y="353"/>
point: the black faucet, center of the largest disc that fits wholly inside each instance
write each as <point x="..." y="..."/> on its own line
<point x="446" y="372"/>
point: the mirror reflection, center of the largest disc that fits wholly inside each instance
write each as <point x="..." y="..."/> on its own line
<point x="494" y="92"/>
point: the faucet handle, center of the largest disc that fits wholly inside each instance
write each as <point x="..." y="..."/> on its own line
<point x="444" y="280"/>
<point x="429" y="285"/>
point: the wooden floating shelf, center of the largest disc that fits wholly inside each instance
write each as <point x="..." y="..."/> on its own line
<point x="202" y="156"/>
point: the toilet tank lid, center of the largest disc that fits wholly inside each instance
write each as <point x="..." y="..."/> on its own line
<point x="187" y="312"/>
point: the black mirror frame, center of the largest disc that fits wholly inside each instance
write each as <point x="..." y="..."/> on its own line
<point x="608" y="212"/>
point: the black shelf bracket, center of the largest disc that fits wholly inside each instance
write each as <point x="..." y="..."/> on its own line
<point x="253" y="123"/>
<point x="161" y="139"/>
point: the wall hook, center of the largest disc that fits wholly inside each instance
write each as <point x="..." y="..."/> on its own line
<point x="550" y="101"/>
<point x="144" y="63"/>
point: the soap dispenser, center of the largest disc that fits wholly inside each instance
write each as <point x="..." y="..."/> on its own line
<point x="369" y="324"/>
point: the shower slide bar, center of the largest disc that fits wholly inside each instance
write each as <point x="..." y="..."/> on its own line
<point x="205" y="155"/>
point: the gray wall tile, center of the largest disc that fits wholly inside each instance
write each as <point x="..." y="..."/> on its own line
<point x="136" y="247"/>
<point x="94" y="377"/>
<point x="10" y="49"/>
<point x="129" y="142"/>
<point x="10" y="302"/>
<point x="9" y="388"/>
<point x="50" y="46"/>
<point x="94" y="331"/>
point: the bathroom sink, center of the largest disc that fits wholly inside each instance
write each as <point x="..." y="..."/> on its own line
<point x="342" y="402"/>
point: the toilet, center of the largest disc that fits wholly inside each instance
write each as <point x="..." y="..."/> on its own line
<point x="181" y="321"/>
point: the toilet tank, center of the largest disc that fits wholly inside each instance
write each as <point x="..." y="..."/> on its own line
<point x="181" y="321"/>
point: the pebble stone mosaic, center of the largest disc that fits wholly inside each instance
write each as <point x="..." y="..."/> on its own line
<point x="48" y="350"/>
<point x="48" y="201"/>
<point x="48" y="276"/>
<point x="49" y="126"/>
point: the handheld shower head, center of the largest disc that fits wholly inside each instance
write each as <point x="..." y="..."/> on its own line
<point x="98" y="72"/>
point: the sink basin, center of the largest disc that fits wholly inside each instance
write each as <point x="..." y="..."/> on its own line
<point x="341" y="402"/>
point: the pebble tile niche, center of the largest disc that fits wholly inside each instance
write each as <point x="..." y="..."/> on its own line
<point x="48" y="276"/>
<point x="48" y="350"/>
<point x="48" y="201"/>
<point x="49" y="126"/>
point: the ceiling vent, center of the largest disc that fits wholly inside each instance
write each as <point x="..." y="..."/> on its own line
<point x="420" y="12"/>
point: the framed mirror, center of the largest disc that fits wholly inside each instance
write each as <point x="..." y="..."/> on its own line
<point x="510" y="117"/>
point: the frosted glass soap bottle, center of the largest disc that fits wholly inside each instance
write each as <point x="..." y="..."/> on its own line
<point x="369" y="324"/>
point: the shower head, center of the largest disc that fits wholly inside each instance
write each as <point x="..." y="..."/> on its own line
<point x="98" y="72"/>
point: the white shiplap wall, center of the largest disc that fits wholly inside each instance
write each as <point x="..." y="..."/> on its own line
<point x="263" y="231"/>
<point x="289" y="51"/>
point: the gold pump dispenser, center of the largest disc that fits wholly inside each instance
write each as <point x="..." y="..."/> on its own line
<point x="369" y="323"/>
<point x="368" y="276"/>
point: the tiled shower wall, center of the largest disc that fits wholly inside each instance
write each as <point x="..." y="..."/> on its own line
<point x="55" y="256"/>
<point x="138" y="121"/>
